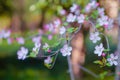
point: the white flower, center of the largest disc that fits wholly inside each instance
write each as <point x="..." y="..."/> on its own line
<point x="112" y="60"/>
<point x="51" y="27"/>
<point x="48" y="60"/>
<point x="88" y="8"/>
<point x="22" y="53"/>
<point x="101" y="11"/>
<point x="73" y="8"/>
<point x="95" y="37"/>
<point x="93" y="4"/>
<point x="62" y="30"/>
<point x="99" y="49"/>
<point x="81" y="18"/>
<point x="62" y="12"/>
<point x="36" y="47"/>
<point x="110" y="25"/>
<point x="71" y="18"/>
<point x="66" y="50"/>
<point x="46" y="47"/>
<point x="103" y="20"/>
<point x="57" y="23"/>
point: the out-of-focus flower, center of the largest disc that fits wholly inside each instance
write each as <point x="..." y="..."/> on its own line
<point x="36" y="39"/>
<point x="22" y="53"/>
<point x="103" y="20"/>
<point x="66" y="50"/>
<point x="94" y="4"/>
<point x="10" y="40"/>
<point x="57" y="23"/>
<point x="88" y="8"/>
<point x="62" y="30"/>
<point x="113" y="59"/>
<point x="46" y="27"/>
<point x="48" y="60"/>
<point x="81" y="18"/>
<point x="71" y="18"/>
<point x="46" y="47"/>
<point x="20" y="40"/>
<point x="91" y="6"/>
<point x="74" y="8"/>
<point x="110" y="25"/>
<point x="99" y="49"/>
<point x="50" y="37"/>
<point x="101" y="11"/>
<point x="5" y="34"/>
<point x="36" y="47"/>
<point x="51" y="27"/>
<point x="62" y="12"/>
<point x="94" y="37"/>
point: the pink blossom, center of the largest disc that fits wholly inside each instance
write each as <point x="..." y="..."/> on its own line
<point x="10" y="40"/>
<point x="50" y="37"/>
<point x="36" y="39"/>
<point x="20" y="40"/>
<point x="62" y="12"/>
<point x="57" y="23"/>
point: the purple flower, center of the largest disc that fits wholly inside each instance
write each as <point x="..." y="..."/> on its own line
<point x="103" y="20"/>
<point x="62" y="30"/>
<point x="9" y="40"/>
<point x="20" y="40"/>
<point x="81" y="18"/>
<point x="113" y="59"/>
<point x="62" y="12"/>
<point x="5" y="34"/>
<point x="71" y="18"/>
<point x="101" y="11"/>
<point x="74" y="8"/>
<point x="99" y="49"/>
<point x="95" y="37"/>
<point x="36" y="39"/>
<point x="50" y="36"/>
<point x="57" y="23"/>
<point x="66" y="50"/>
<point x="94" y="4"/>
<point x="22" y="53"/>
<point x="88" y="8"/>
<point x="48" y="60"/>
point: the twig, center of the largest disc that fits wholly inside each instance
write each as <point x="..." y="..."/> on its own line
<point x="70" y="68"/>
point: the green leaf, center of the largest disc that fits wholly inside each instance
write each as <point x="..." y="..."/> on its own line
<point x="108" y="64"/>
<point x="32" y="54"/>
<point x="98" y="62"/>
<point x="102" y="75"/>
<point x="70" y="30"/>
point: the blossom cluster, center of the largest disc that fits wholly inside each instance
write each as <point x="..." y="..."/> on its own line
<point x="65" y="28"/>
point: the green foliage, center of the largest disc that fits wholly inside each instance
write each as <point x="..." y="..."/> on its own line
<point x="102" y="75"/>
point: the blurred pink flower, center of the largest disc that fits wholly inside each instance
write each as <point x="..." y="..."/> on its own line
<point x="20" y="40"/>
<point x="50" y="37"/>
<point x="36" y="39"/>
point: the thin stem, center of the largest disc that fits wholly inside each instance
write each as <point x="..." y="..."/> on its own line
<point x="70" y="68"/>
<point x="108" y="46"/>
